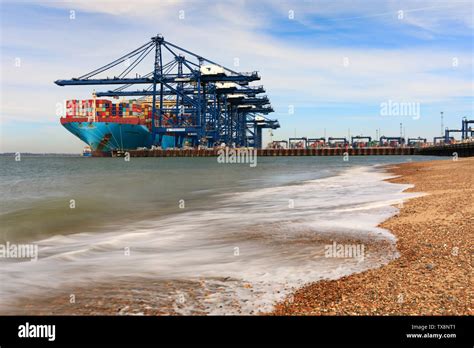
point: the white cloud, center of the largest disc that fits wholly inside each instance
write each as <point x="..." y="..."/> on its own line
<point x="426" y="14"/>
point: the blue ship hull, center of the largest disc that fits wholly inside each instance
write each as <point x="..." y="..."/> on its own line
<point x="108" y="136"/>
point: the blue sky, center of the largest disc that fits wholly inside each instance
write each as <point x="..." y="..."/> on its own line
<point x="333" y="62"/>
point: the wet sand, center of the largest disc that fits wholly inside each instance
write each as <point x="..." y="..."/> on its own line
<point x="433" y="275"/>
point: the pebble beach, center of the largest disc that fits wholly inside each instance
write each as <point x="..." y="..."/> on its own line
<point x="433" y="275"/>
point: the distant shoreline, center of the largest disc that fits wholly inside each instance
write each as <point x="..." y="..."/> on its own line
<point x="38" y="154"/>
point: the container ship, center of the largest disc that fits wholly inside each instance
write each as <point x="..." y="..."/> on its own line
<point x="107" y="126"/>
<point x="196" y="103"/>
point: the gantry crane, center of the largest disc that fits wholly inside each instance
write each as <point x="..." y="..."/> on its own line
<point x="279" y="144"/>
<point x="316" y="141"/>
<point x="359" y="137"/>
<point x="384" y="140"/>
<point x="337" y="141"/>
<point x="435" y="139"/>
<point x="414" y="141"/>
<point x="447" y="138"/>
<point x="204" y="101"/>
<point x="294" y="142"/>
<point x="466" y="129"/>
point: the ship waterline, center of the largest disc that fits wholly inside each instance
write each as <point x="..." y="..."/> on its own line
<point x="120" y="134"/>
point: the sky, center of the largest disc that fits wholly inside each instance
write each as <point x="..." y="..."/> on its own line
<point x="330" y="68"/>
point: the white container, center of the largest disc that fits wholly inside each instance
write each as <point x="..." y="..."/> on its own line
<point x="226" y="85"/>
<point x="212" y="70"/>
<point x="235" y="96"/>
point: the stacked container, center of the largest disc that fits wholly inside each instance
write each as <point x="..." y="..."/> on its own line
<point x="103" y="107"/>
<point x="116" y="110"/>
<point x="72" y="108"/>
<point x="130" y="109"/>
<point x="79" y="108"/>
<point x="86" y="108"/>
<point x="147" y="111"/>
